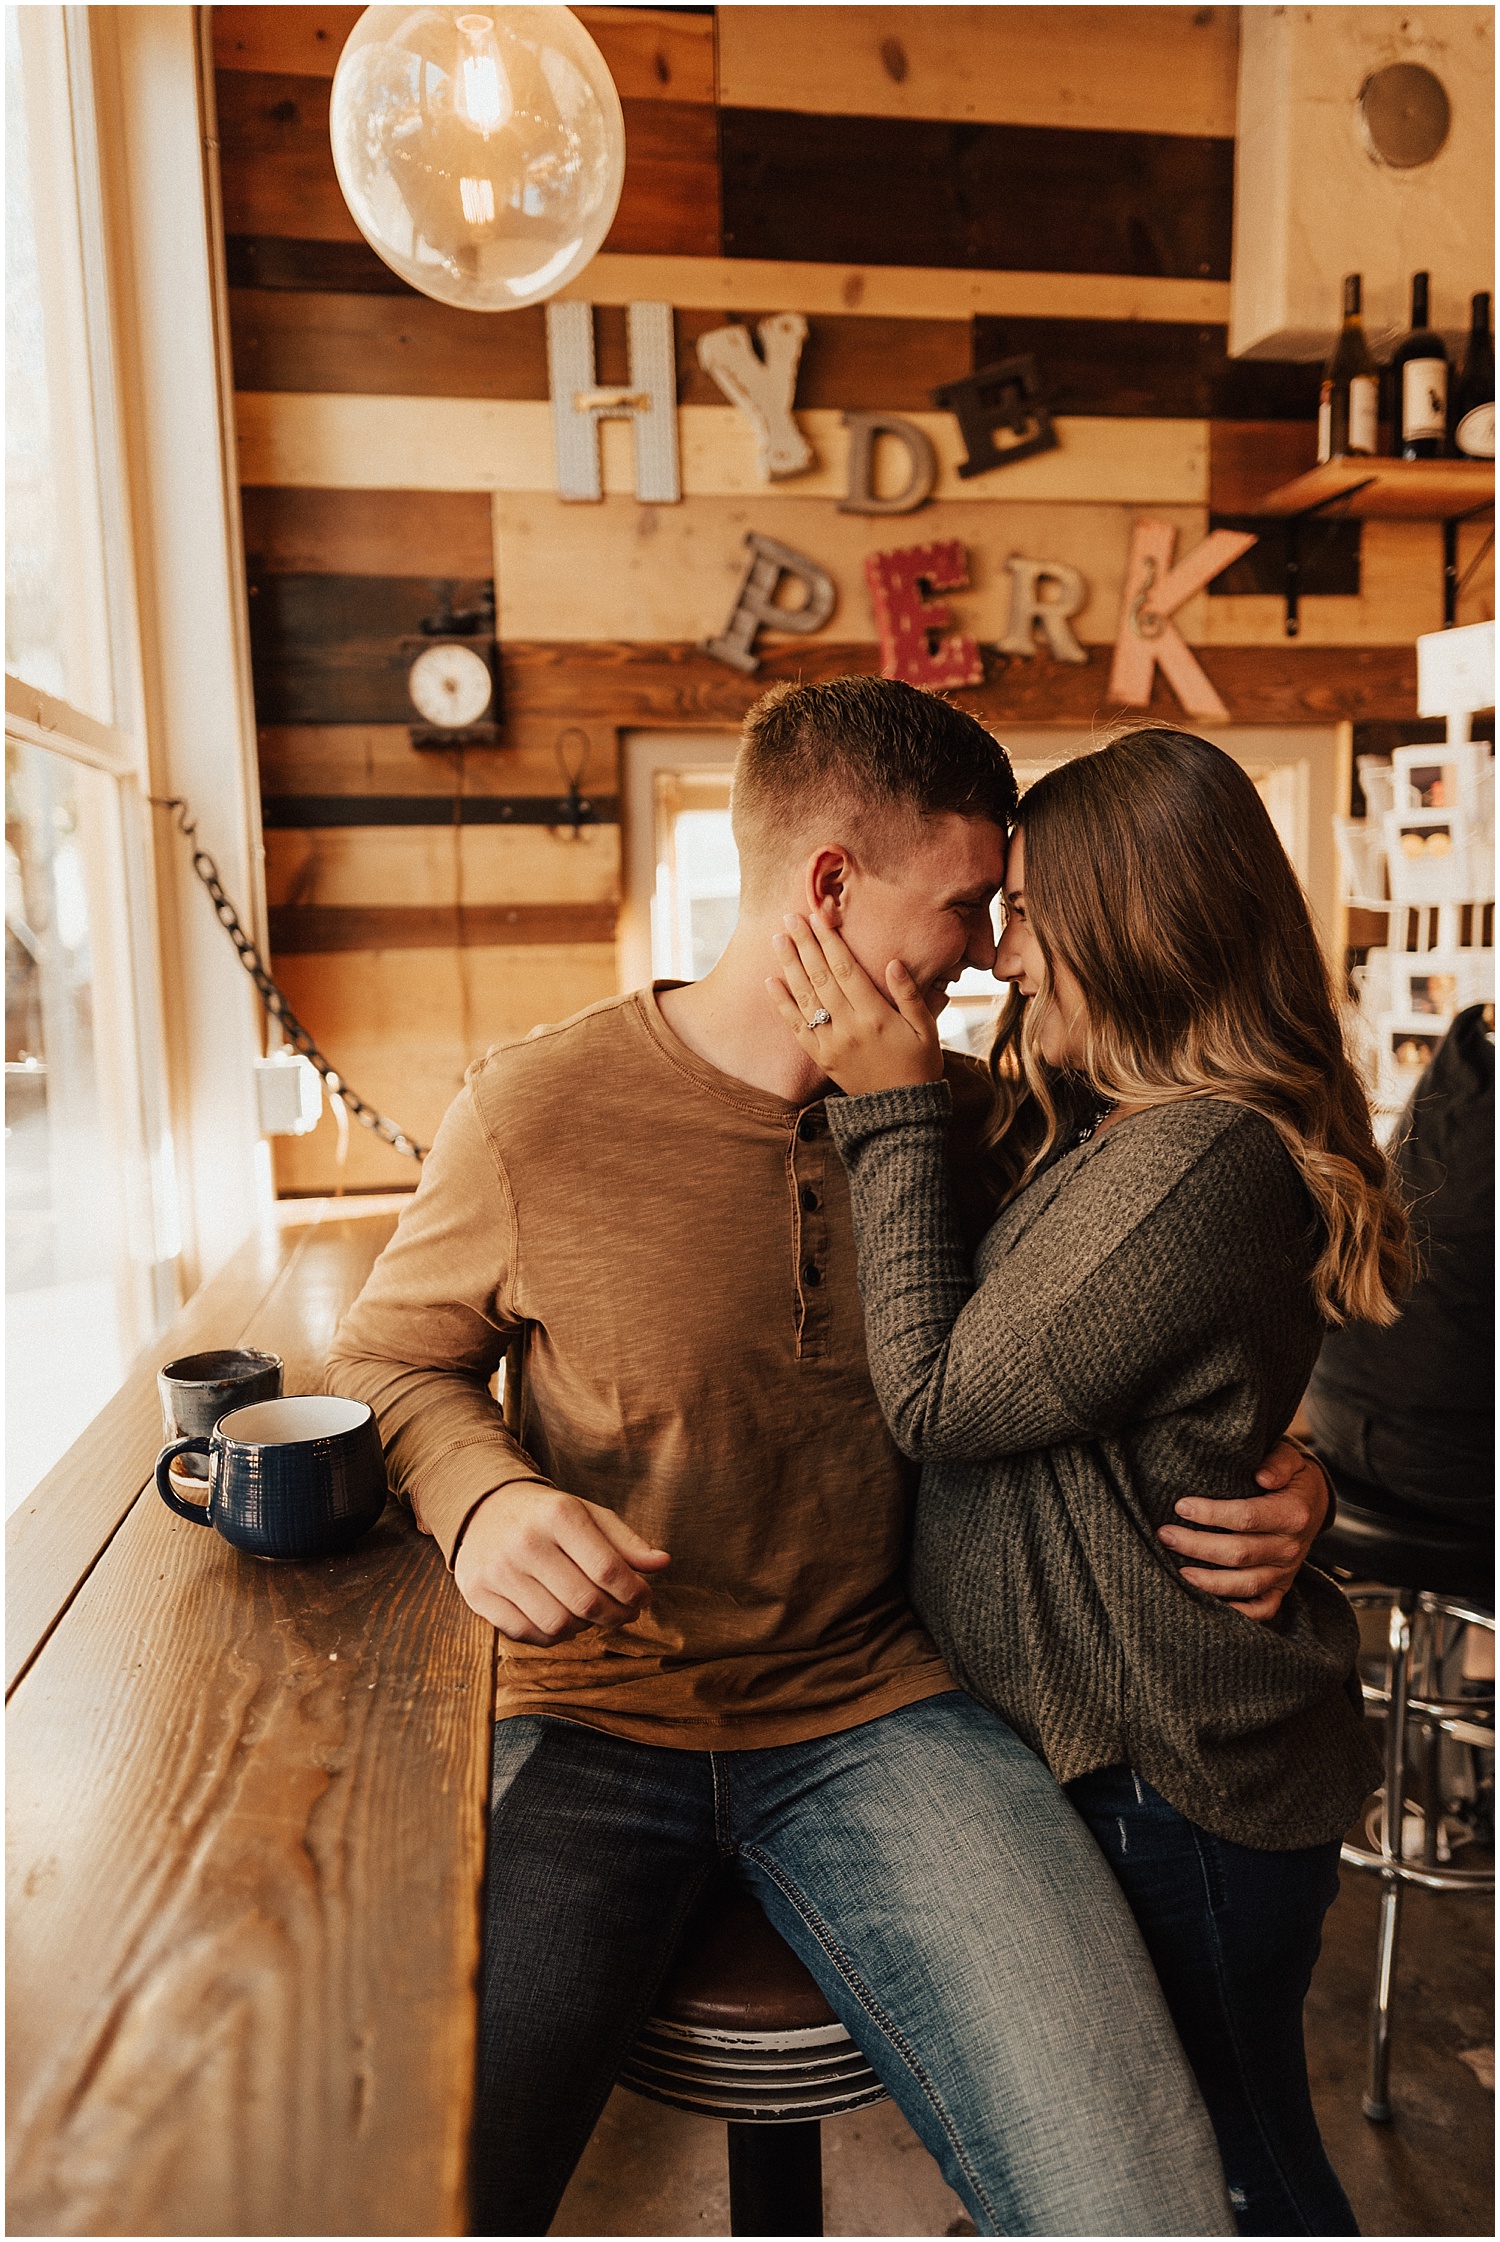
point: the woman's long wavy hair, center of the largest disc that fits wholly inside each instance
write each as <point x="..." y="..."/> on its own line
<point x="1153" y="872"/>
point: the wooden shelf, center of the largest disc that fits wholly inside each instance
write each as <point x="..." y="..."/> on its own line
<point x="1427" y="490"/>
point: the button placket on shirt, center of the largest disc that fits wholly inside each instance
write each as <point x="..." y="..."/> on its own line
<point x="807" y="1163"/>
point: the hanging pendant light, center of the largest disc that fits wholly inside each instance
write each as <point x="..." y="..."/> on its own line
<point x="480" y="150"/>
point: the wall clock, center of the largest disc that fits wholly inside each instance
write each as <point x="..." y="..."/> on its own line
<point x="450" y="685"/>
<point x="452" y="678"/>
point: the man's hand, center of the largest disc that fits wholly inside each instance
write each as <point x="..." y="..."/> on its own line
<point x="1255" y="1560"/>
<point x="541" y="1566"/>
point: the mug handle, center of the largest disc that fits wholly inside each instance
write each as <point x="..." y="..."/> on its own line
<point x="196" y="1444"/>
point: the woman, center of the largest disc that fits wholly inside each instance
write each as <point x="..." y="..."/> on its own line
<point x="1194" y="1197"/>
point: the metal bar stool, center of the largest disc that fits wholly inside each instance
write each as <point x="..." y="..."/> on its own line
<point x="1435" y="1578"/>
<point x="740" y="2031"/>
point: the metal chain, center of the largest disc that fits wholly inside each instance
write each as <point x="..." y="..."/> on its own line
<point x="272" y="997"/>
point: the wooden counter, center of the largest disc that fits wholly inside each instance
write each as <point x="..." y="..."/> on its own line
<point x="246" y="1815"/>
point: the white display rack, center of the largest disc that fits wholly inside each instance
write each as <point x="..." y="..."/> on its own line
<point x="1424" y="855"/>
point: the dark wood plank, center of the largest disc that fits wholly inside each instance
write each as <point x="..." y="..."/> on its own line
<point x="298" y="812"/>
<point x="334" y="267"/>
<point x="276" y="166"/>
<point x="653" y="54"/>
<point x="54" y="1538"/>
<point x="669" y="204"/>
<point x="670" y="684"/>
<point x="305" y="41"/>
<point x="336" y="649"/>
<point x="275" y="157"/>
<point x="429" y="533"/>
<point x="1248" y="459"/>
<point x="320" y="929"/>
<point x="1019" y="198"/>
<point x="1328" y="558"/>
<point x="318" y="340"/>
<point x="380" y="344"/>
<point x="1150" y="369"/>
<point x="247" y="1827"/>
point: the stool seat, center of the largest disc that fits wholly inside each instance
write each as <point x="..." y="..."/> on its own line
<point x="739" y="2029"/>
<point x="1375" y="1537"/>
<point x="734" y="1973"/>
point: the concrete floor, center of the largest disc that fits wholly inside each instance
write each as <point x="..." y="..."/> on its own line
<point x="656" y="2171"/>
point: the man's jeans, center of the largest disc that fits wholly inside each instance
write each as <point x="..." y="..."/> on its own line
<point x="1234" y="1934"/>
<point x="952" y="1906"/>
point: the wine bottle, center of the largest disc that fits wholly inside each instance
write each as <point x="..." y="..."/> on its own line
<point x="1349" y="403"/>
<point x="1420" y="368"/>
<point x="1473" y="413"/>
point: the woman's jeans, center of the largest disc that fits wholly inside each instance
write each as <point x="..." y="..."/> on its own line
<point x="939" y="1887"/>
<point x="1234" y="1934"/>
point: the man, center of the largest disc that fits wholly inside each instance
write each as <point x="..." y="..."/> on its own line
<point x="696" y="1560"/>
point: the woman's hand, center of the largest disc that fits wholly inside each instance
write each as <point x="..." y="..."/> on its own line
<point x="863" y="1042"/>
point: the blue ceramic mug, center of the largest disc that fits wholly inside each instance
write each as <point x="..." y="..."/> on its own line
<point x="301" y="1477"/>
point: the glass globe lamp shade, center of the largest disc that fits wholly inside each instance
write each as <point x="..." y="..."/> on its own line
<point x="480" y="150"/>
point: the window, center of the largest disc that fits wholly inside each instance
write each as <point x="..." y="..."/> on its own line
<point x="89" y="1250"/>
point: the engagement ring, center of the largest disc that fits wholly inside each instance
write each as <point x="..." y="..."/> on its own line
<point x="821" y="1019"/>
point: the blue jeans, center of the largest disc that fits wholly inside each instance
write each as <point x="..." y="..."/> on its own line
<point x="1234" y="1934"/>
<point x="951" y="1905"/>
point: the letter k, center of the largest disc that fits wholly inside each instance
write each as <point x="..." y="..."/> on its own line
<point x="1154" y="590"/>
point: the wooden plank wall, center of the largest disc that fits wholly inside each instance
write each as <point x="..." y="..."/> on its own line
<point x="933" y="188"/>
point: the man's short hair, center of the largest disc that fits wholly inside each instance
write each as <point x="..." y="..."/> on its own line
<point x="845" y="756"/>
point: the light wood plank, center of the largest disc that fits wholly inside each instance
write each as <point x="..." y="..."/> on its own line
<point x="407" y="1023"/>
<point x="380" y="759"/>
<point x="55" y="1536"/>
<point x="893" y="291"/>
<point x="623" y="571"/>
<point x="247" y="1825"/>
<point x="1127" y="69"/>
<point x="1388" y="489"/>
<point x="425" y="864"/>
<point x="473" y="443"/>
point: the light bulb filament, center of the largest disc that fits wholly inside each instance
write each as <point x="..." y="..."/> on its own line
<point x="484" y="97"/>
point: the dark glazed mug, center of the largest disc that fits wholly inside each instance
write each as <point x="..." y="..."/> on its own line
<point x="303" y="1477"/>
<point x="197" y="1390"/>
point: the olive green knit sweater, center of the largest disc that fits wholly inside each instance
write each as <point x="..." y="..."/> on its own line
<point x="1139" y="1326"/>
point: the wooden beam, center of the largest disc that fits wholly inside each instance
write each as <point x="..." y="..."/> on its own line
<point x="735" y="285"/>
<point x="1138" y="69"/>
<point x="676" y="684"/>
<point x="997" y="197"/>
<point x="318" y="929"/>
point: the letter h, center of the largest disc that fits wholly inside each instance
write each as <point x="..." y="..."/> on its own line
<point x="649" y="401"/>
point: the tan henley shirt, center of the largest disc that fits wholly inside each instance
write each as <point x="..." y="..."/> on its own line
<point x="680" y="1249"/>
